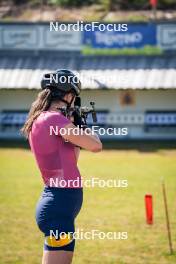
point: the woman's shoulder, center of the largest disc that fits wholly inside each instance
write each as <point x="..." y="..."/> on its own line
<point x="54" y="116"/>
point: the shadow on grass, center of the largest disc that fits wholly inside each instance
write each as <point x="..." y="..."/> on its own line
<point x="14" y="144"/>
<point x="140" y="145"/>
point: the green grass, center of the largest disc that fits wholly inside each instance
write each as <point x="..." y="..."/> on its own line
<point x="104" y="209"/>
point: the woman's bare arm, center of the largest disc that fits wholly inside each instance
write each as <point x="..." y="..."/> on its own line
<point x="83" y="140"/>
<point x="77" y="152"/>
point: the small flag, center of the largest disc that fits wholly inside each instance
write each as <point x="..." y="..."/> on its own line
<point x="149" y="209"/>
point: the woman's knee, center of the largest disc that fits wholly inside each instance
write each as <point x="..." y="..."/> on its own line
<point x="57" y="257"/>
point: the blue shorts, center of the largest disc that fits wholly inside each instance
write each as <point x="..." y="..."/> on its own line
<point x="56" y="211"/>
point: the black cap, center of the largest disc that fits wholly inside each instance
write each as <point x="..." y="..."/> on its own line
<point x="61" y="80"/>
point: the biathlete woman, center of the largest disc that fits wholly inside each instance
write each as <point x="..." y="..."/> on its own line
<point x="56" y="156"/>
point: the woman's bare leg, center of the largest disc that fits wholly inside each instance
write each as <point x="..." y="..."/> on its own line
<point x="57" y="257"/>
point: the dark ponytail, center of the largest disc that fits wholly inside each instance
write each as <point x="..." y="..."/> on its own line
<point x="42" y="103"/>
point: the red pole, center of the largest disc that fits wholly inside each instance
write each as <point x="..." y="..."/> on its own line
<point x="154" y="6"/>
<point x="153" y="3"/>
<point x="149" y="209"/>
